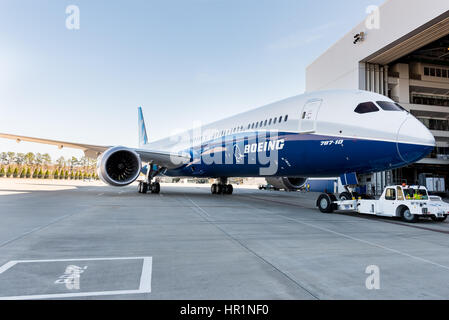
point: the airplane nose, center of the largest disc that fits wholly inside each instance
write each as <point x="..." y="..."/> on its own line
<point x="414" y="141"/>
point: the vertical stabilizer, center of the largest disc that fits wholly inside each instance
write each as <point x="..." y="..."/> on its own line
<point x="143" y="138"/>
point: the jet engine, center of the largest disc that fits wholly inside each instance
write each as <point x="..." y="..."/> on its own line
<point x="286" y="183"/>
<point x="119" y="166"/>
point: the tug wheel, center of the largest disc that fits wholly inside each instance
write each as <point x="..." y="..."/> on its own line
<point x="324" y="203"/>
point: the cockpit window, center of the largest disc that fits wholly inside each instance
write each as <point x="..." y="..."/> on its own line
<point x="366" y="107"/>
<point x="390" y="106"/>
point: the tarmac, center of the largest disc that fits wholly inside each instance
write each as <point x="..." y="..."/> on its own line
<point x="85" y="240"/>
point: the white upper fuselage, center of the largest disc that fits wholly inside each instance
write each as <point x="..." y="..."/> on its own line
<point x="335" y="118"/>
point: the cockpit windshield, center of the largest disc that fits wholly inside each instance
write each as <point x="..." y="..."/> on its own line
<point x="416" y="194"/>
<point x="390" y="106"/>
<point x="366" y="107"/>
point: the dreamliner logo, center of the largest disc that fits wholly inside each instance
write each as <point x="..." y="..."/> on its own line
<point x="265" y="146"/>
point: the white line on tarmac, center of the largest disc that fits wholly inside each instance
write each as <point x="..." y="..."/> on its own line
<point x="367" y="242"/>
<point x="144" y="286"/>
<point x="284" y="273"/>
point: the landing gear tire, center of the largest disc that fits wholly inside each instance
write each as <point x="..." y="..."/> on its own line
<point x="439" y="219"/>
<point x="143" y="187"/>
<point x="156" y="188"/>
<point x="139" y="187"/>
<point x="407" y="216"/>
<point x="221" y="189"/>
<point x="325" y="204"/>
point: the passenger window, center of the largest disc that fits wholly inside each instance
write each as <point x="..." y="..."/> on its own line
<point x="271" y="120"/>
<point x="286" y="118"/>
<point x="280" y="119"/>
<point x="366" y="107"/>
<point x="252" y="126"/>
<point x="390" y="106"/>
<point x="265" y="123"/>
<point x="390" y="194"/>
<point x="257" y="125"/>
<point x="261" y="124"/>
<point x="274" y="121"/>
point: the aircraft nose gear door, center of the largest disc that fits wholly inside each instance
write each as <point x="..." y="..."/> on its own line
<point x="309" y="116"/>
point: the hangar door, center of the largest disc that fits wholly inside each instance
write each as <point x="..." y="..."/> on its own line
<point x="309" y="116"/>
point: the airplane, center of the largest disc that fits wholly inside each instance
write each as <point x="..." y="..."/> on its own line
<point x="313" y="135"/>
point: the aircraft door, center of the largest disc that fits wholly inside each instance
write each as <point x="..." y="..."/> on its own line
<point x="309" y="116"/>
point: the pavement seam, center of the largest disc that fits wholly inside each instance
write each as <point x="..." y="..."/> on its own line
<point x="353" y="238"/>
<point x="290" y="278"/>
<point x="37" y="229"/>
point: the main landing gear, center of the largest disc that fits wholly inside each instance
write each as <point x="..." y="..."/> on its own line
<point x="222" y="187"/>
<point x="147" y="185"/>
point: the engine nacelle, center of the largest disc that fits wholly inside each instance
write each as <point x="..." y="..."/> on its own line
<point x="119" y="166"/>
<point x="286" y="183"/>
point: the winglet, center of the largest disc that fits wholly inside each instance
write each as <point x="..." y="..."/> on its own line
<point x="143" y="138"/>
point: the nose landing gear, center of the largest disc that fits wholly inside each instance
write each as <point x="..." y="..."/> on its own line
<point x="222" y="187"/>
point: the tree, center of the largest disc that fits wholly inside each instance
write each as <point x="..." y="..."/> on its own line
<point x="19" y="159"/>
<point x="61" y="162"/>
<point x="11" y="157"/>
<point x="9" y="172"/>
<point x="74" y="162"/>
<point x="28" y="173"/>
<point x="61" y="174"/>
<point x="72" y="175"/>
<point x="84" y="162"/>
<point x="40" y="174"/>
<point x="4" y="158"/>
<point x="29" y="158"/>
<point x="93" y="163"/>
<point x="66" y="174"/>
<point x="15" y="173"/>
<point x="35" y="173"/>
<point x="23" y="173"/>
<point x="39" y="159"/>
<point x="2" y="172"/>
<point x="47" y="174"/>
<point x="55" y="174"/>
<point x="46" y="159"/>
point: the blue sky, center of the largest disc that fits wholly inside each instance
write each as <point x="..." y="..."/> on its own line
<point x="183" y="61"/>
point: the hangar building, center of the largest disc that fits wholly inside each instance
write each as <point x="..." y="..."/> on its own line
<point x="401" y="51"/>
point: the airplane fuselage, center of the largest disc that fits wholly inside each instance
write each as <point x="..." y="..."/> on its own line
<point x="312" y="135"/>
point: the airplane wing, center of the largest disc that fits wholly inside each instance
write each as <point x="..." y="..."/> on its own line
<point x="164" y="159"/>
<point x="91" y="151"/>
